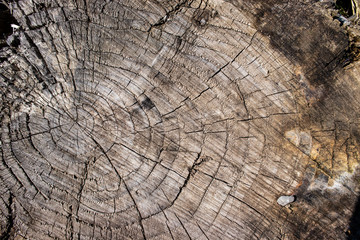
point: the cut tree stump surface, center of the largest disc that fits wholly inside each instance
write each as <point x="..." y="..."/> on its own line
<point x="177" y="120"/>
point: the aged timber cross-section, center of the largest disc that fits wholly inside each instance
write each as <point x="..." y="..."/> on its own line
<point x="179" y="119"/>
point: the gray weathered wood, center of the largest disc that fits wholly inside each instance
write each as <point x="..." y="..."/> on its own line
<point x="176" y="120"/>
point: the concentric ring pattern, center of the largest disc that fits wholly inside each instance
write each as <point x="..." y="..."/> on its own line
<point x="148" y="119"/>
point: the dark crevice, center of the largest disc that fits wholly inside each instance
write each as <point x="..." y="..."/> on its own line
<point x="164" y="19"/>
<point x="147" y="104"/>
<point x="202" y="16"/>
<point x="10" y="219"/>
<point x="344" y="7"/>
<point x="352" y="53"/>
<point x="6" y="19"/>
<point x="191" y="171"/>
<point x="40" y="6"/>
<point x="354" y="227"/>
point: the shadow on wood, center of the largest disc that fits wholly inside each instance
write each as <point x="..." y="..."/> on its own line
<point x="354" y="226"/>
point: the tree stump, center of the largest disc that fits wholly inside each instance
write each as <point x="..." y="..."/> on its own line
<point x="178" y="120"/>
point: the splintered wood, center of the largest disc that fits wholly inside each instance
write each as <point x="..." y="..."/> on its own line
<point x="176" y="120"/>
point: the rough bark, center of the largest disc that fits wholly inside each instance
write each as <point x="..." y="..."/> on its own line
<point x="178" y="120"/>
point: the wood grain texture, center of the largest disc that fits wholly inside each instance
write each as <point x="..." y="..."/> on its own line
<point x="177" y="120"/>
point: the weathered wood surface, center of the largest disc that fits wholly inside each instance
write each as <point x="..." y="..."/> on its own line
<point x="178" y="120"/>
